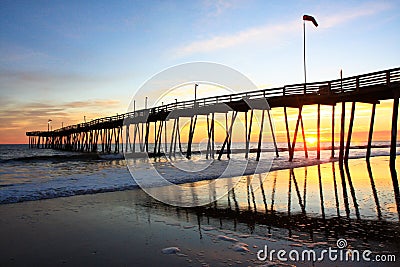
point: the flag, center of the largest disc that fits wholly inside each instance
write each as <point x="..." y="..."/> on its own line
<point x="310" y="18"/>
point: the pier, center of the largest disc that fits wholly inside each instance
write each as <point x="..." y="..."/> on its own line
<point x="107" y="134"/>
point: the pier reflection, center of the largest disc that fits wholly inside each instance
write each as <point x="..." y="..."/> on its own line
<point x="306" y="202"/>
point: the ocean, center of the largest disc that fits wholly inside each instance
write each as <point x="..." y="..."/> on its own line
<point x="34" y="174"/>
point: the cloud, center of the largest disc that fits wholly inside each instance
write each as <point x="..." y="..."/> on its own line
<point x="249" y="35"/>
<point x="12" y="53"/>
<point x="12" y="115"/>
<point x="17" y="84"/>
<point x="44" y="77"/>
<point x="354" y="13"/>
<point x="277" y="32"/>
<point x="217" y="7"/>
<point x="91" y="103"/>
<point x="17" y="118"/>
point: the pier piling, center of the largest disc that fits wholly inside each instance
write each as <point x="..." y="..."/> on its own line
<point x="371" y="131"/>
<point x="393" y="140"/>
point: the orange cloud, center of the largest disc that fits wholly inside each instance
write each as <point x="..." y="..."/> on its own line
<point x="17" y="118"/>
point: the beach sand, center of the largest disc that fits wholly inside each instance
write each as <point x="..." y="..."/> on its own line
<point x="107" y="229"/>
<point x="130" y="228"/>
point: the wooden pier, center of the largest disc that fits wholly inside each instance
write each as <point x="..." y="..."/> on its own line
<point x="106" y="135"/>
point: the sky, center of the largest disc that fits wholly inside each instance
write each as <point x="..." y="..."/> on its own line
<point x="63" y="60"/>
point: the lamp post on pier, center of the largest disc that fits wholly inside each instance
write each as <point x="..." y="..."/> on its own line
<point x="195" y="92"/>
<point x="48" y="124"/>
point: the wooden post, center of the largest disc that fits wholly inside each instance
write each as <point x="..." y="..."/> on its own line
<point x="304" y="138"/>
<point x="212" y="136"/>
<point x="287" y="131"/>
<point x="291" y="155"/>
<point x="126" y="137"/>
<point x="393" y="140"/>
<point x="371" y="131"/>
<point x="346" y="155"/>
<point x="172" y="139"/>
<point x="208" y="137"/>
<point x="319" y="132"/>
<point x="227" y="136"/>
<point x="178" y="135"/>
<point x="165" y="138"/>
<point x="230" y="139"/>
<point x="142" y="135"/>
<point x="158" y="139"/>
<point x="260" y="136"/>
<point x="248" y="134"/>
<point x="210" y="142"/>
<point x="191" y="134"/>
<point x="146" y="139"/>
<point x="333" y="133"/>
<point x="342" y="121"/>
<point x="245" y="131"/>
<point x="273" y="134"/>
<point x="160" y="132"/>
<point x="155" y="137"/>
<point x="135" y="130"/>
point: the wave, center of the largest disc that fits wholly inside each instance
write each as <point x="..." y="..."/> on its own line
<point x="83" y="156"/>
<point x="22" y="181"/>
<point x="56" y="193"/>
<point x="58" y="156"/>
<point x="117" y="178"/>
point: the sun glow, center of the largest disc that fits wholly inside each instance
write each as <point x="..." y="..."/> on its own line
<point x="311" y="141"/>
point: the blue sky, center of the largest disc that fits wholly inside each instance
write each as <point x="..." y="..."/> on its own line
<point x="61" y="59"/>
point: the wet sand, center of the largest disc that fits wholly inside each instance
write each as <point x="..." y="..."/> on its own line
<point x="300" y="209"/>
<point x="107" y="229"/>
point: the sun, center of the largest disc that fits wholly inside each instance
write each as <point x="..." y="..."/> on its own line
<point x="311" y="140"/>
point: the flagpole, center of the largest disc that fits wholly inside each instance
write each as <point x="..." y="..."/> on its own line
<point x="304" y="55"/>
<point x="312" y="19"/>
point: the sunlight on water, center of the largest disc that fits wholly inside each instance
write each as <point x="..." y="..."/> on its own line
<point x="320" y="190"/>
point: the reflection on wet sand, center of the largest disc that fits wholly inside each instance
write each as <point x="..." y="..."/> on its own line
<point x="274" y="203"/>
<point x="374" y="192"/>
